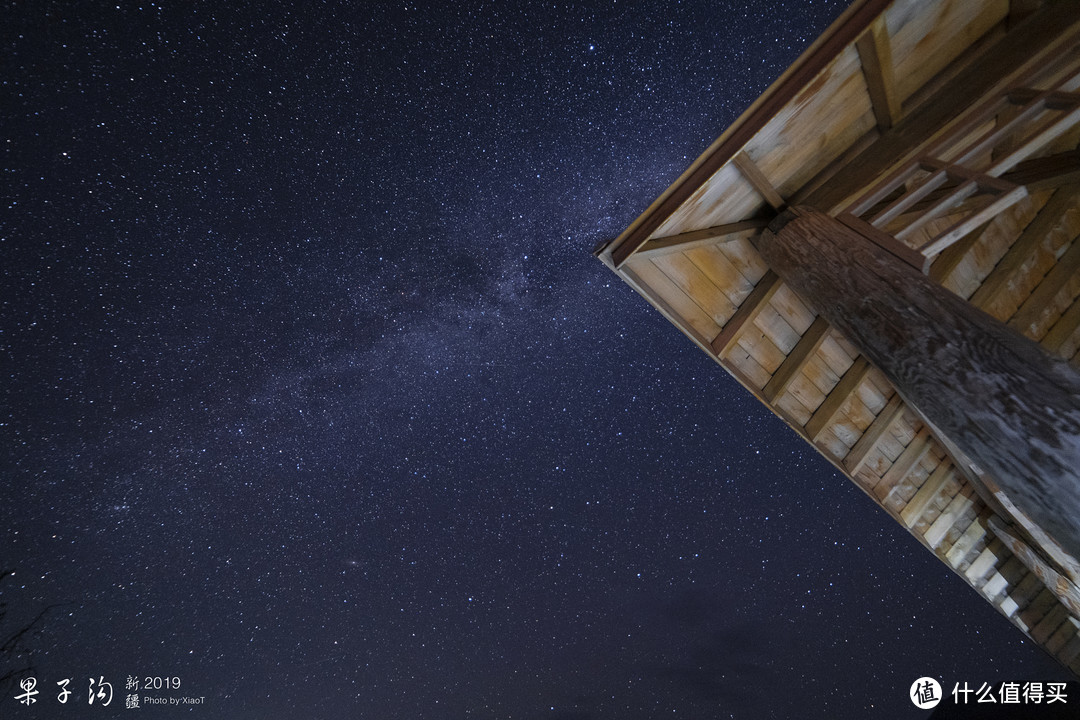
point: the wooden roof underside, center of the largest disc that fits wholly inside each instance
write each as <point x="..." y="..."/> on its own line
<point x="888" y="97"/>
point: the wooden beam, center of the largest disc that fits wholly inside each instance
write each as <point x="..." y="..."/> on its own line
<point x="887" y="242"/>
<point x="687" y="240"/>
<point x="753" y="304"/>
<point x="1057" y="100"/>
<point x="757" y="179"/>
<point x="1063" y="329"/>
<point x="1035" y="232"/>
<point x="834" y="41"/>
<point x="927" y="493"/>
<point x="1050" y="32"/>
<point x="797" y="359"/>
<point x="1028" y="315"/>
<point x="912" y="455"/>
<point x="968" y="224"/>
<point x="858" y="454"/>
<point x="836" y="399"/>
<point x="999" y="397"/>
<point x="1051" y="171"/>
<point x="875" y="54"/>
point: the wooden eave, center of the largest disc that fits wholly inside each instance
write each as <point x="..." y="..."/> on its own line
<point x="881" y="101"/>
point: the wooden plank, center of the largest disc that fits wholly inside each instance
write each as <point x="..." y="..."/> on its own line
<point x="1063" y="329"/>
<point x="1026" y="591"/>
<point x="1050" y="32"/>
<point x="875" y="54"/>
<point x="687" y="240"/>
<point x="961" y="503"/>
<point x="913" y="454"/>
<point x="1037" y="609"/>
<point x="1063" y="588"/>
<point x="835" y="165"/>
<point x="1063" y="271"/>
<point x="699" y="288"/>
<point x="927" y="493"/>
<point x="944" y="264"/>
<point x="1070" y="651"/>
<point x="753" y="304"/>
<point x="968" y="224"/>
<point x="757" y="179"/>
<point x="1031" y="237"/>
<point x="881" y="425"/>
<point x="797" y="358"/>
<point x="1046" y="134"/>
<point x="680" y="310"/>
<point x="1013" y="571"/>
<point x="1051" y="622"/>
<point x="985" y="561"/>
<point x="836" y="399"/>
<point x="821" y="53"/>
<point x="975" y="532"/>
<point x="995" y="585"/>
<point x="938" y="351"/>
<point x="715" y="265"/>
<point x="1061" y="636"/>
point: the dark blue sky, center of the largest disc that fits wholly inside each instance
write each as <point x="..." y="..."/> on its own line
<point x="315" y="397"/>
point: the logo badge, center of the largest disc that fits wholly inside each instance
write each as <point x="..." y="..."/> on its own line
<point x="925" y="693"/>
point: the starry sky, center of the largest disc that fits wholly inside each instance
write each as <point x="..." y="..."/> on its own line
<point x="314" y="396"/>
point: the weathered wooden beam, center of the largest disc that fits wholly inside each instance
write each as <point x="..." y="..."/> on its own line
<point x="757" y="179"/>
<point x="998" y="396"/>
<point x="1029" y="313"/>
<point x="835" y="400"/>
<point x="753" y="304"/>
<point x="972" y="536"/>
<point x="797" y="359"/>
<point x="875" y="54"/>
<point x="693" y="238"/>
<point x="1035" y="232"/>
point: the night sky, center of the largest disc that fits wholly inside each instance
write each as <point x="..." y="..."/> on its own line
<point x="314" y="396"/>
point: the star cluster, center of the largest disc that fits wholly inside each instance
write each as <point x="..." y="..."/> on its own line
<point x="315" y="398"/>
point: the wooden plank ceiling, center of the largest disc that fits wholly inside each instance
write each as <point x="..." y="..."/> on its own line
<point x="948" y="130"/>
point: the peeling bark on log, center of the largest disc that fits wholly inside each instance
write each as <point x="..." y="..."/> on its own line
<point x="999" y="397"/>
